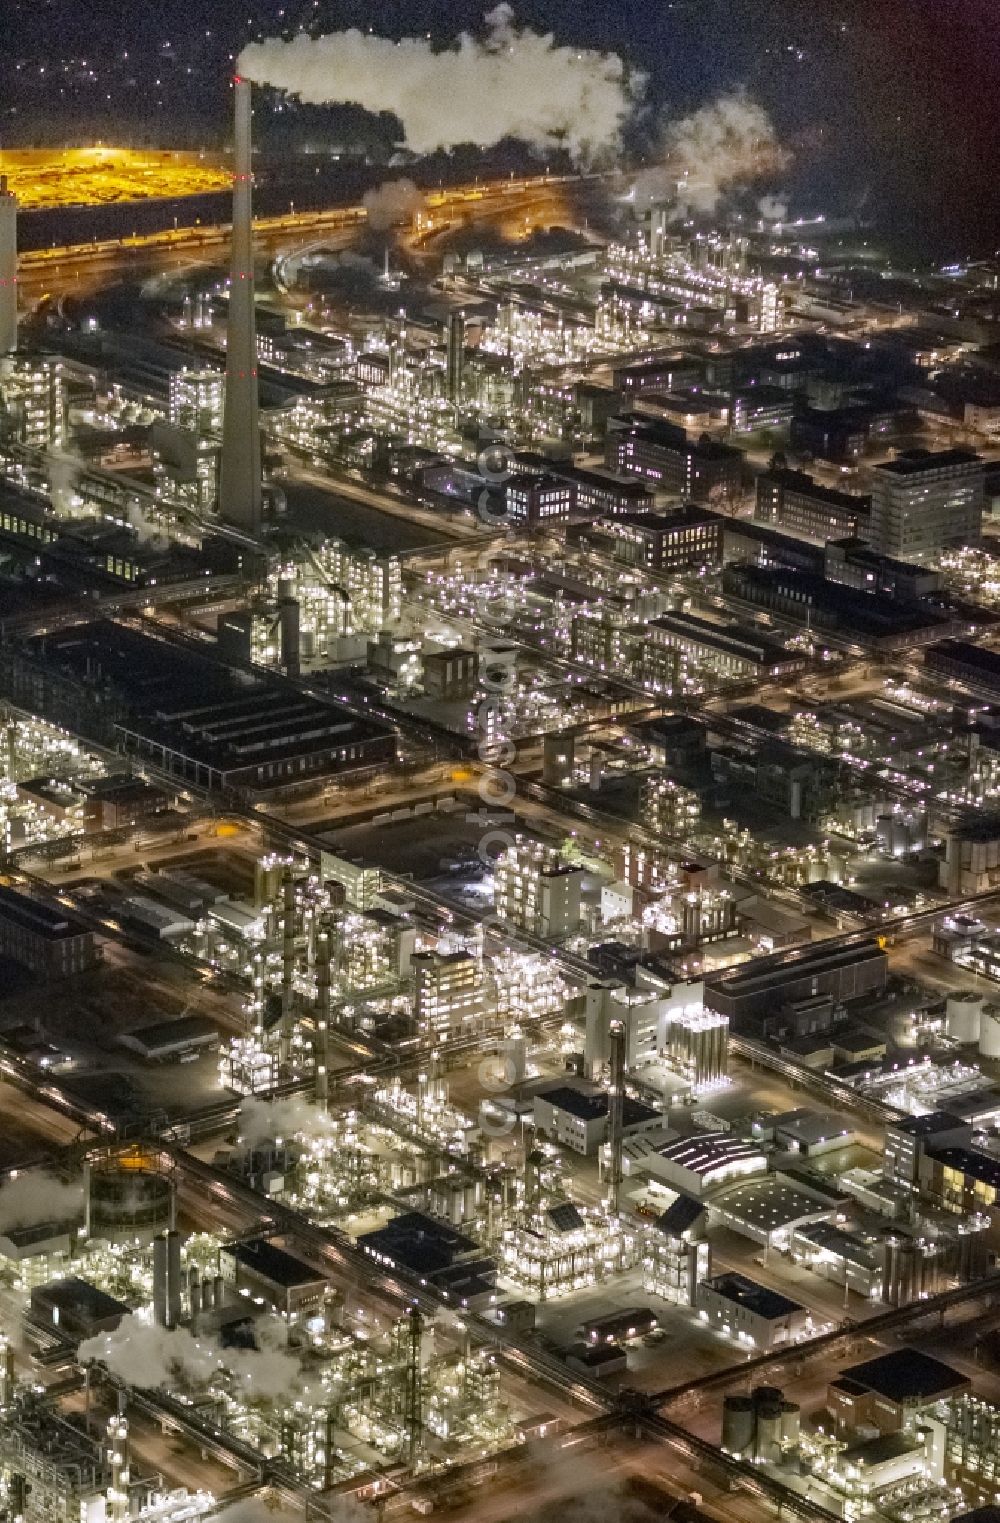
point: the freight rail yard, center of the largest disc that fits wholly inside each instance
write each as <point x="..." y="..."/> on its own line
<point x="104" y="175"/>
<point x="499" y="866"/>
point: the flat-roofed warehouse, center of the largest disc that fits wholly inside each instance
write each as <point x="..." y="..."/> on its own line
<point x="188" y="714"/>
<point x="889" y="1389"/>
<point x="758" y="987"/>
<point x="261" y="1268"/>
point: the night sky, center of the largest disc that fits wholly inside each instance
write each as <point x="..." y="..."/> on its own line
<point x="890" y="105"/>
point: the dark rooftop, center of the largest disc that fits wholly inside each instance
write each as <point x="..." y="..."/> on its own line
<point x="969" y="1161"/>
<point x="914" y="462"/>
<point x="419" y="1243"/>
<point x="35" y="916"/>
<point x="756" y="1298"/>
<point x="274" y="1264"/>
<point x="680" y="1215"/>
<point x="76" y="1297"/>
<point x="927" y="1125"/>
<point x="906" y="1374"/>
<point x="592" y="1107"/>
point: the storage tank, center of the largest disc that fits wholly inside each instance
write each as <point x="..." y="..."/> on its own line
<point x="989" y="1032"/>
<point x="963" y="1015"/>
<point x="898" y="1285"/>
<point x="767" y="1441"/>
<point x="128" y="1196"/>
<point x="791" y="1424"/>
<point x="738" y="1424"/>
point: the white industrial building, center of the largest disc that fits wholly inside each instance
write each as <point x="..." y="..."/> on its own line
<point x="695" y="1165"/>
<point x="749" y="1312"/>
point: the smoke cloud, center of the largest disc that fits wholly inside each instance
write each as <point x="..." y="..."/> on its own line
<point x="37" y="1197"/>
<point x="731" y="141"/>
<point x="512" y="83"/>
<point x="395" y="201"/>
<point x="144" y="1355"/>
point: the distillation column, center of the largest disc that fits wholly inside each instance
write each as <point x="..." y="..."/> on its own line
<point x="323" y="1019"/>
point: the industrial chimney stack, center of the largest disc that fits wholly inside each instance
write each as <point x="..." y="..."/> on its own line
<point x="8" y="268"/>
<point x="240" y="474"/>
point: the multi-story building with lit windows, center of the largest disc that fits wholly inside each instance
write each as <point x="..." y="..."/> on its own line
<point x="449" y="993"/>
<point x="670" y="809"/>
<point x="32" y="401"/>
<point x="697" y="469"/>
<point x="195" y="400"/>
<point x="532" y="499"/>
<point x="924" y="502"/>
<point x="793" y="500"/>
<point x="691" y="536"/>
<point x="536" y="890"/>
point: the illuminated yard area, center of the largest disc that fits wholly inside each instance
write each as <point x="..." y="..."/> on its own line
<point x="99" y="176"/>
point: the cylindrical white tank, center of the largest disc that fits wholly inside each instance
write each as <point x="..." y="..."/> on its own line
<point x="963" y="1014"/>
<point x="791" y="1424"/>
<point x="767" y="1443"/>
<point x="989" y="1032"/>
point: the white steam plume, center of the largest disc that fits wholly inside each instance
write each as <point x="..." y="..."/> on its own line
<point x="773" y="209"/>
<point x="514" y="83"/>
<point x="271" y="1120"/>
<point x="37" y="1197"/>
<point x="144" y="1355"/>
<point x="395" y="201"/>
<point x="731" y="141"/>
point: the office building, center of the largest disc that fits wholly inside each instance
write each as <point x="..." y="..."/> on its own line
<point x="43" y="937"/>
<point x="923" y="503"/>
<point x="726" y="650"/>
<point x="579" y="1118"/>
<point x="534" y="499"/>
<point x="691" y="536"/>
<point x="794" y="500"/>
<point x="871" y="623"/>
<point x="698" y="470"/>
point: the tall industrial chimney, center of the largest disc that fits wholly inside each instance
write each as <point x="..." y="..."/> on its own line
<point x="240" y="474"/>
<point x="456" y="356"/>
<point x="616" y="1115"/>
<point x="8" y="268"/>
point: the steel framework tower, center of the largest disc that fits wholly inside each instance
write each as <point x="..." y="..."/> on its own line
<point x="240" y="472"/>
